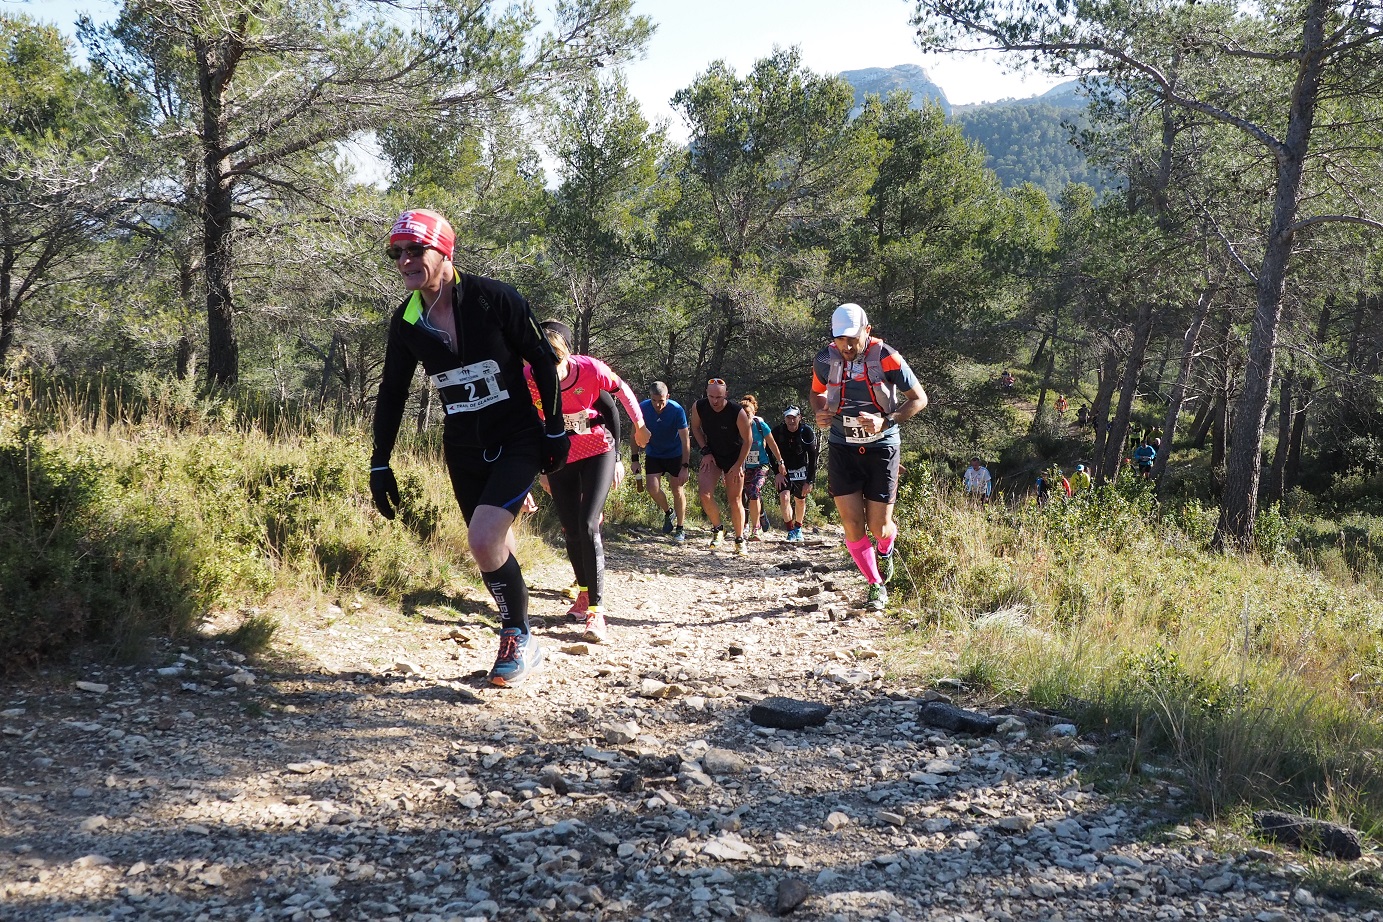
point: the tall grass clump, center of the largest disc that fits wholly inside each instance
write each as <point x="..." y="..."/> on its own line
<point x="125" y="514"/>
<point x="1258" y="677"/>
<point x="79" y="558"/>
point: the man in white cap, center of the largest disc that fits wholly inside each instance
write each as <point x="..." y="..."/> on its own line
<point x="862" y="388"/>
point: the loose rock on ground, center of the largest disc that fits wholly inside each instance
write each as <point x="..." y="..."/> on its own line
<point x="373" y="774"/>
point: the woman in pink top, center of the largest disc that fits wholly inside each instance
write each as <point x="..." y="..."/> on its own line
<point x="579" y="489"/>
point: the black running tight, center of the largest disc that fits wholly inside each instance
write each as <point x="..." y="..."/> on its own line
<point x="578" y="491"/>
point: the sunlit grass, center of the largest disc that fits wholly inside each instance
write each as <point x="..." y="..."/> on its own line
<point x="1256" y="677"/>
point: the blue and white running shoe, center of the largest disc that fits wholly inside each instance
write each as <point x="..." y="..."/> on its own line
<point x="520" y="655"/>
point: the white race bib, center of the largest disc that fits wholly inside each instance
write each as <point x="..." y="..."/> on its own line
<point x="855" y="432"/>
<point x="481" y="383"/>
<point x="577" y="423"/>
<point x="751" y="459"/>
<point x="797" y="473"/>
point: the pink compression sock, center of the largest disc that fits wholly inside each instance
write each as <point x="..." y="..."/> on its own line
<point x="863" y="552"/>
<point x="886" y="543"/>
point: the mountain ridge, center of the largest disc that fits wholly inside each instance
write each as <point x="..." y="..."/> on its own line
<point x="1026" y="139"/>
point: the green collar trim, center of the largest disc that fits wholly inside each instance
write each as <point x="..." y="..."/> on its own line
<point x="414" y="309"/>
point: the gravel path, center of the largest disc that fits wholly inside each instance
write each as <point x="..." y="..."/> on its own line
<point x="381" y="778"/>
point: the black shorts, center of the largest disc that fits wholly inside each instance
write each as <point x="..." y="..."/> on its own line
<point x="868" y="469"/>
<point x="670" y="466"/>
<point x="798" y="488"/>
<point x="499" y="476"/>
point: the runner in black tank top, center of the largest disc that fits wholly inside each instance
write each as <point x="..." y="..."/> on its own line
<point x="720" y="429"/>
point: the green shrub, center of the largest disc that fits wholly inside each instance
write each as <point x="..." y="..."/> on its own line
<point x="80" y="560"/>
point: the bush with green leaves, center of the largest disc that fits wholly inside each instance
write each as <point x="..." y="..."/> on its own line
<point x="81" y="560"/>
<point x="142" y="517"/>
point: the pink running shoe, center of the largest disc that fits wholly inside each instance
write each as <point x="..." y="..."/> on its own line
<point x="578" y="609"/>
<point x="596" y="631"/>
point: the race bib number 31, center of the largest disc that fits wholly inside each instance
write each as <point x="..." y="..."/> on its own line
<point x="856" y="434"/>
<point x="478" y="386"/>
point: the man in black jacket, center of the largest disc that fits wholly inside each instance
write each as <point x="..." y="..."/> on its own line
<point x="472" y="336"/>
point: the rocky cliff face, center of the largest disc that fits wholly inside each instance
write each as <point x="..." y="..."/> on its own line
<point x="884" y="80"/>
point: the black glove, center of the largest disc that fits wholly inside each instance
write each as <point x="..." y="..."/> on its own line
<point x="385" y="489"/>
<point x="555" y="448"/>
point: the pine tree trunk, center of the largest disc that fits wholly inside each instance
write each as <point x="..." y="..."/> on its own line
<point x="1293" y="473"/>
<point x="1188" y="361"/>
<point x="1128" y="388"/>
<point x="1108" y="376"/>
<point x="1275" y="486"/>
<point x="1238" y="507"/>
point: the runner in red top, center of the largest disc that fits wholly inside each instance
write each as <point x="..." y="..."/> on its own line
<point x="579" y="490"/>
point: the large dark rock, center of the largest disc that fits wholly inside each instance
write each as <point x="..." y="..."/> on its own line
<point x="792" y="892"/>
<point x="1316" y="836"/>
<point x="956" y="720"/>
<point x="789" y="713"/>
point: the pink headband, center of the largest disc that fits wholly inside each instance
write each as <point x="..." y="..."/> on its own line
<point x="426" y="227"/>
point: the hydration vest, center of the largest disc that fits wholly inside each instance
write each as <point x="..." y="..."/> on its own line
<point x="881" y="391"/>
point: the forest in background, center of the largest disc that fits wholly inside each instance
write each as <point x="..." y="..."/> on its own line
<point x="179" y="208"/>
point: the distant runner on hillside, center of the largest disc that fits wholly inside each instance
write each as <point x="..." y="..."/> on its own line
<point x="472" y="336"/>
<point x="862" y="388"/>
<point x="978" y="483"/>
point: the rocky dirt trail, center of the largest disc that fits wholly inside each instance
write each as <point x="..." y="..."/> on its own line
<point x="379" y="777"/>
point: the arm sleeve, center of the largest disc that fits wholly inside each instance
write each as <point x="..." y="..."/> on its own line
<point x="399" y="367"/>
<point x="613" y="383"/>
<point x="526" y="338"/>
<point x="609" y="416"/>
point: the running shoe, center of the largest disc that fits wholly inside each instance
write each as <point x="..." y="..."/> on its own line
<point x="877" y="599"/>
<point x="886" y="567"/>
<point x="679" y="535"/>
<point x="520" y="655"/>
<point x="763" y="522"/>
<point x="578" y="609"/>
<point x="595" y="627"/>
<point x="794" y="534"/>
<point x="741" y="547"/>
<point x="717" y="536"/>
<point x="669" y="522"/>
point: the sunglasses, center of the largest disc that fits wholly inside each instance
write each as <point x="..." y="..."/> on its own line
<point x="412" y="251"/>
<point x="715" y="381"/>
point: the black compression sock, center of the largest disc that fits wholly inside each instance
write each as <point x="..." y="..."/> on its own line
<point x="510" y="592"/>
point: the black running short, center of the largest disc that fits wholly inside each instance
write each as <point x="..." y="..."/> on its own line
<point x="868" y="469"/>
<point x="500" y="476"/>
<point x="673" y="467"/>
<point x="798" y="488"/>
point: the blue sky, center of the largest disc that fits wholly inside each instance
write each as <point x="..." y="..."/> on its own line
<point x="834" y="35"/>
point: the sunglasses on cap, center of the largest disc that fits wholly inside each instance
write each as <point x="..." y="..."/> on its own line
<point x="412" y="251"/>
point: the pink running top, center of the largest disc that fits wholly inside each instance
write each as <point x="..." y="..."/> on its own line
<point x="586" y="378"/>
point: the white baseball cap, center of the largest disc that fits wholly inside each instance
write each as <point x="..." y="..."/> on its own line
<point x="848" y="320"/>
